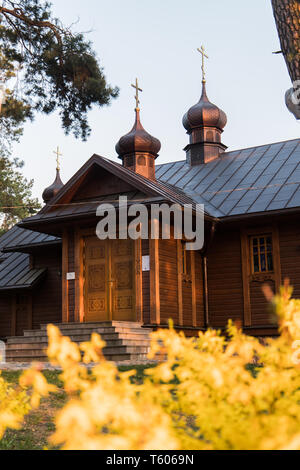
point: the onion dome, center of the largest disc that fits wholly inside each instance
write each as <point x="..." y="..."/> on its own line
<point x="52" y="190"/>
<point x="138" y="141"/>
<point x="204" y="114"/>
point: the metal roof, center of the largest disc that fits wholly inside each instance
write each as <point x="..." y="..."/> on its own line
<point x="253" y="180"/>
<point x="21" y="239"/>
<point x="15" y="271"/>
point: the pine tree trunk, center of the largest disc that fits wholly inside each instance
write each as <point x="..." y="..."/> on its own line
<point x="287" y="17"/>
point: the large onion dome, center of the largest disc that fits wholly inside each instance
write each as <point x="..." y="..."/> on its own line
<point x="138" y="141"/>
<point x="204" y="114"/>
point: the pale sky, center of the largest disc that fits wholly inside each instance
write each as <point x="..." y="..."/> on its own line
<point x="156" y="41"/>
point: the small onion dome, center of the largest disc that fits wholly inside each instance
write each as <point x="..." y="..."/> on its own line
<point x="138" y="140"/>
<point x="204" y="114"/>
<point x="52" y="190"/>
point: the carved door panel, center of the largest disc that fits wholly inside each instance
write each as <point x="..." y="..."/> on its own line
<point x="123" y="285"/>
<point x="95" y="280"/>
<point x="109" y="280"/>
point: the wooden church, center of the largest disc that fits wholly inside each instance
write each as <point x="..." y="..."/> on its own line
<point x="54" y="269"/>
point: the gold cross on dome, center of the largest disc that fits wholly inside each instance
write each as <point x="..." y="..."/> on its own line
<point x="137" y="89"/>
<point x="58" y="154"/>
<point x="202" y="52"/>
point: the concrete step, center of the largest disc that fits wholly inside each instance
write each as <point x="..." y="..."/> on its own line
<point x="27" y="359"/>
<point x="124" y="341"/>
<point x="117" y="346"/>
<point x="95" y="325"/>
<point x="112" y="358"/>
<point x="89" y="331"/>
<point x="34" y="342"/>
<point x="36" y="349"/>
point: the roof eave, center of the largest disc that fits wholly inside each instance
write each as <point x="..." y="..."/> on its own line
<point x="29" y="247"/>
<point x="277" y="212"/>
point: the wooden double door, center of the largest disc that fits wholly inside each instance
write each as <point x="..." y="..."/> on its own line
<point x="109" y="280"/>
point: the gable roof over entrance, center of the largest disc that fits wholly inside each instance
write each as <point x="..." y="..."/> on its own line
<point x="144" y="190"/>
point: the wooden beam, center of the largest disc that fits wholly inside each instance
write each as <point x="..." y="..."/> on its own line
<point x="194" y="293"/>
<point x="29" y="307"/>
<point x="78" y="267"/>
<point x="245" y="273"/>
<point x="139" y="280"/>
<point x="14" y="315"/>
<point x="65" y="267"/>
<point x="154" y="280"/>
<point x="276" y="258"/>
<point x="179" y="282"/>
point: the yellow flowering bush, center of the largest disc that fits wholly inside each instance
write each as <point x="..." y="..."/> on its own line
<point x="13" y="406"/>
<point x="211" y="392"/>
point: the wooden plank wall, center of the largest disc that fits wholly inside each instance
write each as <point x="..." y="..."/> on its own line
<point x="289" y="240"/>
<point x="146" y="285"/>
<point x="225" y="280"/>
<point x="46" y="303"/>
<point x="225" y="284"/>
<point x="168" y="281"/>
<point x="200" y="318"/>
<point x="5" y="315"/>
<point x="71" y="269"/>
<point x="260" y="311"/>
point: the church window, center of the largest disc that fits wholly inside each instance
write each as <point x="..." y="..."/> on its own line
<point x="262" y="254"/>
<point x="142" y="161"/>
<point x="210" y="136"/>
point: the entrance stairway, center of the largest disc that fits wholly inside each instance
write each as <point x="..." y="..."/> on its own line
<point x="125" y="341"/>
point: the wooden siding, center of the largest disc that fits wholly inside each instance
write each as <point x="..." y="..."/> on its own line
<point x="71" y="269"/>
<point x="168" y="281"/>
<point x="146" y="285"/>
<point x="46" y="303"/>
<point x="261" y="314"/>
<point x="5" y="315"/>
<point x="225" y="284"/>
<point x="289" y="241"/>
<point x="200" y="318"/>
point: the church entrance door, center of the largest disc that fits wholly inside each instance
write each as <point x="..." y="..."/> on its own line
<point x="109" y="280"/>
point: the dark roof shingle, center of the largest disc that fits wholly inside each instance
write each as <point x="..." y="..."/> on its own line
<point x="257" y="179"/>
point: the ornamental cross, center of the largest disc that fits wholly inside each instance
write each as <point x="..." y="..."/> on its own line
<point x="137" y="89"/>
<point x="58" y="154"/>
<point x="202" y="52"/>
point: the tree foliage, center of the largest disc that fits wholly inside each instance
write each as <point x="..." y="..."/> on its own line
<point x="59" y="69"/>
<point x="16" y="201"/>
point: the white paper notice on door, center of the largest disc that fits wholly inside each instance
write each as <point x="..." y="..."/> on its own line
<point x="145" y="263"/>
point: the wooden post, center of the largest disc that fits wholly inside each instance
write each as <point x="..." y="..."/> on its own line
<point x="194" y="293"/>
<point x="245" y="271"/>
<point x="13" y="315"/>
<point x="179" y="280"/>
<point x="29" y="307"/>
<point x="78" y="266"/>
<point x="65" y="267"/>
<point x="139" y="280"/>
<point x="276" y="257"/>
<point x="154" y="280"/>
